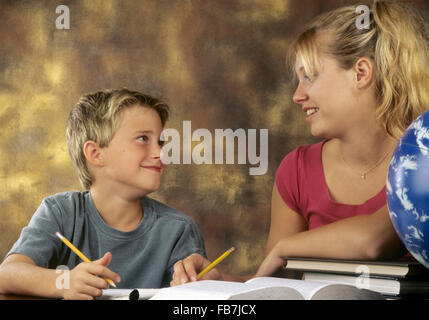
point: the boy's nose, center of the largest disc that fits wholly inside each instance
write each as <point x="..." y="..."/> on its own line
<point x="156" y="152"/>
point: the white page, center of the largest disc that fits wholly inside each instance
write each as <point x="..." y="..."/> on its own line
<point x="306" y="288"/>
<point x="225" y="290"/>
<point x="203" y="290"/>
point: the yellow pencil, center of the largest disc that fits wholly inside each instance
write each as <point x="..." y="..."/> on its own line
<point x="214" y="263"/>
<point x="79" y="254"/>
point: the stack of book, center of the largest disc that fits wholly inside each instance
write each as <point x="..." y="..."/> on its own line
<point x="393" y="279"/>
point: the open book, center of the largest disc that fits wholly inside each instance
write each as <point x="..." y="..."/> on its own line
<point x="264" y="288"/>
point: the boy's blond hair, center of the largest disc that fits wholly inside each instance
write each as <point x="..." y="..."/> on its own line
<point x="396" y="43"/>
<point x="96" y="117"/>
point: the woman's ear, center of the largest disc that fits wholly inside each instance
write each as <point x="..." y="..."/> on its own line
<point x="364" y="72"/>
<point x="93" y="153"/>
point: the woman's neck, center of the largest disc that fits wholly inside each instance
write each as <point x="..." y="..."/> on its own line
<point x="367" y="149"/>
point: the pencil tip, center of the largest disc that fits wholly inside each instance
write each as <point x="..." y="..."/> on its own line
<point x="58" y="234"/>
<point x="232" y="249"/>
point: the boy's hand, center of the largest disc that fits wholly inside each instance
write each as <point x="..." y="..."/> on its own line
<point x="87" y="279"/>
<point x="187" y="270"/>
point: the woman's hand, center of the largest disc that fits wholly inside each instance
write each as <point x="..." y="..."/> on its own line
<point x="187" y="270"/>
<point x="272" y="262"/>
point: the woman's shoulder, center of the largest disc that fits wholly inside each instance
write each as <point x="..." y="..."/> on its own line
<point x="299" y="170"/>
<point x="301" y="163"/>
<point x="304" y="154"/>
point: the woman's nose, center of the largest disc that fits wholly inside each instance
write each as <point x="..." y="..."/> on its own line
<point x="300" y="95"/>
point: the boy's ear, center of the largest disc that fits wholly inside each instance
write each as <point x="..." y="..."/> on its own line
<point x="364" y="72"/>
<point x="93" y="153"/>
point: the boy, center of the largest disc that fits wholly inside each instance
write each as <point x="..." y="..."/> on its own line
<point x="113" y="138"/>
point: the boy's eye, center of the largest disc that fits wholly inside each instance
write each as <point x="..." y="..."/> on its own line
<point x="144" y="138"/>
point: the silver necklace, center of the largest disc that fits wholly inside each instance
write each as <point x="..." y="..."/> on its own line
<point x="363" y="174"/>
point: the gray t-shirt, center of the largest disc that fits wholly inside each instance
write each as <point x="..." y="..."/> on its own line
<point x="143" y="257"/>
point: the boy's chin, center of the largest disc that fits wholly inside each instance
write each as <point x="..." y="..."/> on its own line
<point x="150" y="189"/>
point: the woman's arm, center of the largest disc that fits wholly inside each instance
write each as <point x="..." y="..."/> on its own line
<point x="364" y="237"/>
<point x="284" y="221"/>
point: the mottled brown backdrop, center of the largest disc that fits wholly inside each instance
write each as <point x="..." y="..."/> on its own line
<point x="220" y="64"/>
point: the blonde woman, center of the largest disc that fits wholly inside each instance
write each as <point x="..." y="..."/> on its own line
<point x="359" y="89"/>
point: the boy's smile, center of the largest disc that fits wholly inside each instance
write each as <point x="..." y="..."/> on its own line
<point x="153" y="168"/>
<point x="132" y="159"/>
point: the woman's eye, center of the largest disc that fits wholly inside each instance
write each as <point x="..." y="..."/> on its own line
<point x="307" y="78"/>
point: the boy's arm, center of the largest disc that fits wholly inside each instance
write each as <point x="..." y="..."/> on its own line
<point x="20" y="275"/>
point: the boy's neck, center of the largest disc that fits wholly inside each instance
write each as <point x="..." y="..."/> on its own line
<point x="119" y="213"/>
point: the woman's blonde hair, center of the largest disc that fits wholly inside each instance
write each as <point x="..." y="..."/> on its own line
<point x="96" y="117"/>
<point x="397" y="44"/>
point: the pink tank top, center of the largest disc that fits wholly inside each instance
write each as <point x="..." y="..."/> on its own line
<point x="301" y="183"/>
